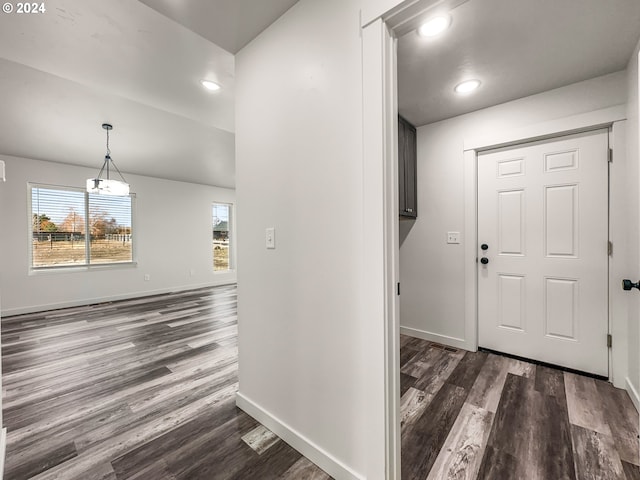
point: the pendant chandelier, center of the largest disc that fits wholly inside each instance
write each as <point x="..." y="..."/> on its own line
<point x="107" y="185"/>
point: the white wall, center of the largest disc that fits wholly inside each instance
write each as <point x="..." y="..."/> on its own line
<point x="299" y="169"/>
<point x="373" y="9"/>
<point x="172" y="233"/>
<point x="432" y="272"/>
<point x="633" y="261"/>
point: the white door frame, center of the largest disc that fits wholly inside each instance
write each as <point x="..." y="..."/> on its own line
<point x="610" y="118"/>
<point x="381" y="249"/>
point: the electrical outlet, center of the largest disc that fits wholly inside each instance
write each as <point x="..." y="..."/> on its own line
<point x="147" y="277"/>
<point x="453" y="237"/>
<point x="270" y="238"/>
<point x="192" y="272"/>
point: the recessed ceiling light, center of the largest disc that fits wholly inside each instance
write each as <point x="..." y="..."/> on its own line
<point x="209" y="85"/>
<point x="467" y="86"/>
<point x="435" y="26"/>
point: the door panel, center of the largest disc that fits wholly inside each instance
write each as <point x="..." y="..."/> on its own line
<point x="511" y="300"/>
<point x="543" y="211"/>
<point x="561" y="307"/>
<point x="561" y="218"/>
<point x="511" y="222"/>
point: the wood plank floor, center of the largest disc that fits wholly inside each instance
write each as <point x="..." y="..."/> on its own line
<point x="138" y="389"/>
<point x="144" y="389"/>
<point x="482" y="416"/>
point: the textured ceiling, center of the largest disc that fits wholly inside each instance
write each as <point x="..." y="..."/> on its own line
<point x="138" y="66"/>
<point x="231" y="24"/>
<point x="84" y="62"/>
<point x="516" y="48"/>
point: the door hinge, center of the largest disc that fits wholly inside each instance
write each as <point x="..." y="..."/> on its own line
<point x="610" y="159"/>
<point x="609" y="340"/>
<point x="398" y="288"/>
<point x="610" y="248"/>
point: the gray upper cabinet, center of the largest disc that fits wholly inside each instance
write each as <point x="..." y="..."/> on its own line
<point x="407" y="166"/>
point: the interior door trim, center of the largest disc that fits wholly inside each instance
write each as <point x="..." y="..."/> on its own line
<point x="585" y="122"/>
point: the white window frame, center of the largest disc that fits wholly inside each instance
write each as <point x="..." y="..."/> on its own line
<point x="84" y="266"/>
<point x="232" y="235"/>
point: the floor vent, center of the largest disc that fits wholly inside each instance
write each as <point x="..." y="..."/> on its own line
<point x="444" y="347"/>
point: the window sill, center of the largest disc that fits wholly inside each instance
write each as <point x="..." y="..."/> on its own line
<point x="80" y="268"/>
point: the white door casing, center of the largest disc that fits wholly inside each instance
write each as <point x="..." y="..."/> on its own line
<point x="543" y="213"/>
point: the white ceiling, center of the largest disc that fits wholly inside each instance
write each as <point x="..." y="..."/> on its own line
<point x="85" y="62"/>
<point x="231" y="24"/>
<point x="137" y="65"/>
<point x="516" y="48"/>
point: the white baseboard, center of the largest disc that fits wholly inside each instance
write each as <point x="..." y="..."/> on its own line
<point x="3" y="450"/>
<point x="633" y="393"/>
<point x="295" y="439"/>
<point x="434" y="337"/>
<point x="110" y="298"/>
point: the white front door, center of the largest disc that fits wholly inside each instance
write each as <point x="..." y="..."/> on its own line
<point x="542" y="279"/>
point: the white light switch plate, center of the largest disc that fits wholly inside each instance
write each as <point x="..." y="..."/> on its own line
<point x="453" y="237"/>
<point x="270" y="237"/>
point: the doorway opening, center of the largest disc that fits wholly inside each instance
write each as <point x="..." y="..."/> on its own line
<point x="447" y="286"/>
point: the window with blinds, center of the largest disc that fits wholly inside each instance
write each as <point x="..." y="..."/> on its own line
<point x="221" y="220"/>
<point x="70" y="227"/>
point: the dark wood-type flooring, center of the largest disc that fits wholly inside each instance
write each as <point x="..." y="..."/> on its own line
<point x="144" y="389"/>
<point x="138" y="389"/>
<point x="483" y="416"/>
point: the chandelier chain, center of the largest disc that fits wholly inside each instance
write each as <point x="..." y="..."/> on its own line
<point x="108" y="186"/>
<point x="108" y="151"/>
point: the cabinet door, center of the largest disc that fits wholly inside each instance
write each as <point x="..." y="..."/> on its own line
<point x="410" y="166"/>
<point x="402" y="148"/>
<point x="407" y="158"/>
